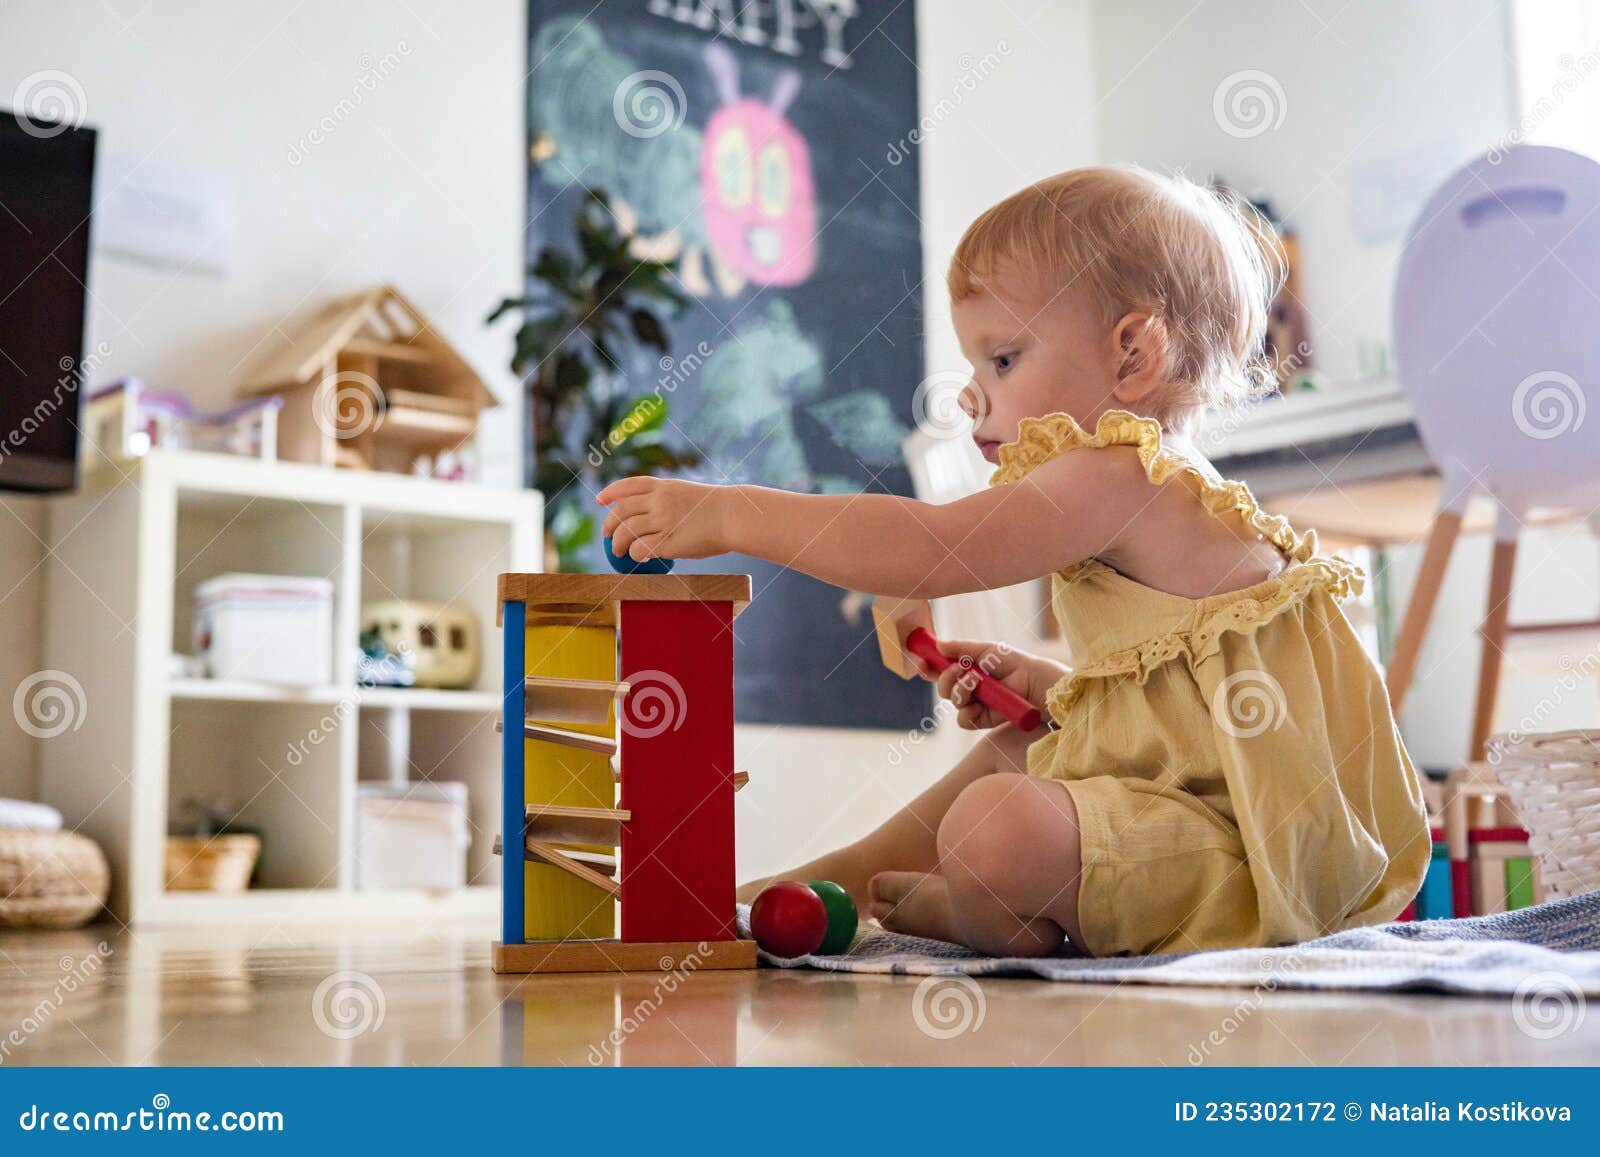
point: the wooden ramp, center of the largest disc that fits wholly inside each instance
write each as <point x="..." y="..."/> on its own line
<point x="582" y="740"/>
<point x="548" y="699"/>
<point x="556" y="824"/>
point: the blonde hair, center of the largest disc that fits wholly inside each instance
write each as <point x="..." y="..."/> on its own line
<point x="1201" y="263"/>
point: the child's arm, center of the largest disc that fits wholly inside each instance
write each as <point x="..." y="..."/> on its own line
<point x="1070" y="508"/>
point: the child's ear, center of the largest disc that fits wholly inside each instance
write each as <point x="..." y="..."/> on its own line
<point x="1140" y="356"/>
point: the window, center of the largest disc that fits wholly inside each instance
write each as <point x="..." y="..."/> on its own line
<point x="1557" y="45"/>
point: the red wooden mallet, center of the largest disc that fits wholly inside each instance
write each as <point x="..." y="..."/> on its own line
<point x="906" y="626"/>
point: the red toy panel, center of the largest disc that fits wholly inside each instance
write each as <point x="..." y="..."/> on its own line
<point x="677" y="771"/>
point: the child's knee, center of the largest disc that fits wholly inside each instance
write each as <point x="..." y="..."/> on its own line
<point x="979" y="835"/>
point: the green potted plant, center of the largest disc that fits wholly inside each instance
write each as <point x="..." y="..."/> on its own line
<point x="583" y="319"/>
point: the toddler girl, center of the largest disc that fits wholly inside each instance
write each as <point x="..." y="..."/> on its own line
<point x="1220" y="766"/>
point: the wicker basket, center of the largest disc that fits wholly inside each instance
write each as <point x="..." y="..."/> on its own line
<point x="1554" y="781"/>
<point x="50" y="879"/>
<point x="211" y="864"/>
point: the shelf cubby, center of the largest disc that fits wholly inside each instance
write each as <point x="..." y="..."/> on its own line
<point x="142" y="541"/>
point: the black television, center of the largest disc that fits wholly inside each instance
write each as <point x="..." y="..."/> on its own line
<point x="46" y="190"/>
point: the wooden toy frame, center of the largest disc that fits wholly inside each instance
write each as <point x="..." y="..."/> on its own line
<point x="674" y="821"/>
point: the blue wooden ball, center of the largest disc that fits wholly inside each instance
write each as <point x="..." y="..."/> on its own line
<point x="623" y="564"/>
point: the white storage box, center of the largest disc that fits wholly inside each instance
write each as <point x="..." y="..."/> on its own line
<point x="414" y="836"/>
<point x="265" y="627"/>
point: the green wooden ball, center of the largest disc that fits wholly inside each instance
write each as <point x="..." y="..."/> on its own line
<point x="841" y="916"/>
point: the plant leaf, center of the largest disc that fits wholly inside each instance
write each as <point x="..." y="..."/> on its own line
<point x="647" y="328"/>
<point x="555" y="269"/>
<point x="507" y="304"/>
<point x="572" y="374"/>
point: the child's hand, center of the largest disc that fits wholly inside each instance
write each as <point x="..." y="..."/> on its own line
<point x="664" y="518"/>
<point x="1030" y="676"/>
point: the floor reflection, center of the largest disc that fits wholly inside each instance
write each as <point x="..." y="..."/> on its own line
<point x="426" y="996"/>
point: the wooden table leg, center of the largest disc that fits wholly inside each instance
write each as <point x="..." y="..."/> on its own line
<point x="1419" y="610"/>
<point x="1495" y="620"/>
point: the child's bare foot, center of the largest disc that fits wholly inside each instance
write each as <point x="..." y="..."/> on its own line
<point x="915" y="903"/>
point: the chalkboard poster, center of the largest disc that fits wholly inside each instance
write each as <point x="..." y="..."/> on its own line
<point x="757" y="142"/>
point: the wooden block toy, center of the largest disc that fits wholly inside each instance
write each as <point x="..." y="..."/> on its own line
<point x="1493" y="852"/>
<point x="1519" y="882"/>
<point x="638" y="667"/>
<point x="905" y="627"/>
<point x="1434" y="901"/>
<point x="1484" y="834"/>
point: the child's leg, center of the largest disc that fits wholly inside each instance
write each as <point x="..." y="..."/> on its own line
<point x="908" y="840"/>
<point x="1010" y="856"/>
<point x="1007" y="881"/>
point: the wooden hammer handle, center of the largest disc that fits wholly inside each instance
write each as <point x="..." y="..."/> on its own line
<point x="990" y="691"/>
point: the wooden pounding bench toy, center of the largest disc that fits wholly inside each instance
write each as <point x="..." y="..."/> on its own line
<point x="617" y="737"/>
<point x="905" y="626"/>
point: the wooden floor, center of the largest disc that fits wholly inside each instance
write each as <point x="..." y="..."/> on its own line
<point x="249" y="996"/>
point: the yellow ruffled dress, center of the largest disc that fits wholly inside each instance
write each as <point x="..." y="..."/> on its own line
<point x="1237" y="773"/>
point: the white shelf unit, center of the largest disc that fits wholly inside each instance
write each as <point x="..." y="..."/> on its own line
<point x="126" y="553"/>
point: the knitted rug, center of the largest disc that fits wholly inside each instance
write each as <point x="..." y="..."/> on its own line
<point x="1553" y="948"/>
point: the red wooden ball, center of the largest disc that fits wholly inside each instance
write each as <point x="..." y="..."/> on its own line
<point x="788" y="919"/>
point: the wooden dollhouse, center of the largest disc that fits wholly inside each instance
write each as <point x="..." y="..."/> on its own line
<point x="368" y="384"/>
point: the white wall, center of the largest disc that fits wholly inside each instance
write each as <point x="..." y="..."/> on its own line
<point x="22" y="556"/>
<point x="1378" y="100"/>
<point x="419" y="182"/>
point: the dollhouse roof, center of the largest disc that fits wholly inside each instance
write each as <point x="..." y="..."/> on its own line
<point x="377" y="322"/>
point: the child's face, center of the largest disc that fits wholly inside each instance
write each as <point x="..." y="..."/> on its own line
<point x="1031" y="358"/>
